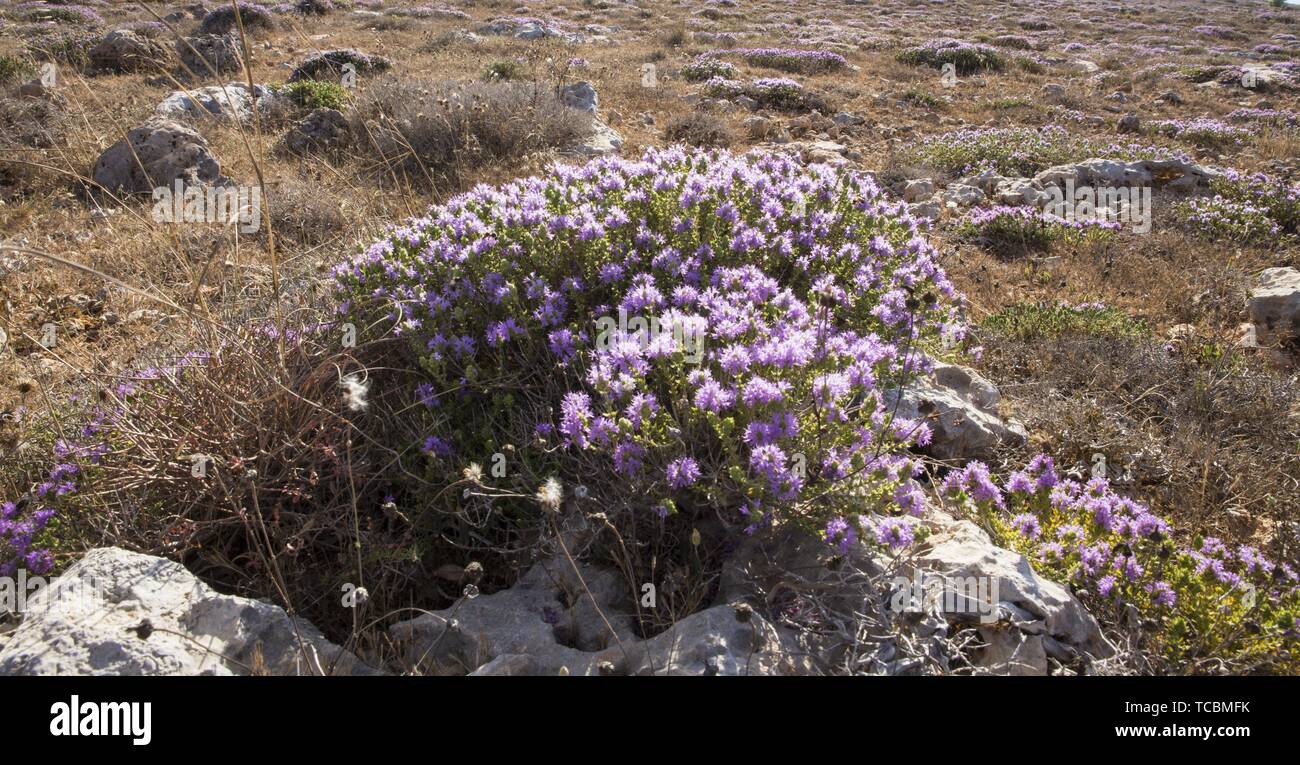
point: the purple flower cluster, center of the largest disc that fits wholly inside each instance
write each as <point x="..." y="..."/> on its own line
<point x="1203" y="132"/>
<point x="775" y="92"/>
<point x="705" y="67"/>
<point x="786" y="59"/>
<point x="1117" y="549"/>
<point x="1279" y="117"/>
<point x="794" y="281"/>
<point x="74" y="14"/>
<point x="1218" y="32"/>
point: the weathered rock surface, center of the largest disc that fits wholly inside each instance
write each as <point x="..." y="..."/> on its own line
<point x="1274" y="307"/>
<point x="529" y="29"/>
<point x="233" y="101"/>
<point x="1036" y="618"/>
<point x="1171" y="173"/>
<point x="961" y="408"/>
<point x="321" y="131"/>
<point x="155" y="154"/>
<point x="581" y="96"/>
<point x="908" y="607"/>
<point x="547" y="624"/>
<point x="125" y="51"/>
<point x="207" y="55"/>
<point x="918" y="190"/>
<point x="602" y="140"/>
<point x="122" y="613"/>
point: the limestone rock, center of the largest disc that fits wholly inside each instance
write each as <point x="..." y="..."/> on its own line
<point x="1274" y="306"/>
<point x="961" y="408"/>
<point x="547" y="624"/>
<point x="233" y="101"/>
<point x="125" y="51"/>
<point x="1031" y="609"/>
<point x="209" y="55"/>
<point x="546" y="616"/>
<point x="917" y="190"/>
<point x="581" y="96"/>
<point x="155" y="154"/>
<point x="321" y="131"/>
<point x="602" y="140"/>
<point x="122" y="613"/>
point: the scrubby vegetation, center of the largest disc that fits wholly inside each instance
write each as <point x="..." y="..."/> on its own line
<point x="1018" y="230"/>
<point x="431" y="133"/>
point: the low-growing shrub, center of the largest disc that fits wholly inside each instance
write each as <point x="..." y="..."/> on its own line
<point x="332" y="64"/>
<point x="923" y="99"/>
<point x="222" y="19"/>
<point x="1276" y="117"/>
<point x="12" y="68"/>
<point x="699" y="128"/>
<point x="432" y="133"/>
<point x="1228" y="220"/>
<point x="1205" y="133"/>
<point x="70" y="14"/>
<point x="786" y="59"/>
<point x="1021" y="151"/>
<point x="690" y="335"/>
<point x="780" y="93"/>
<point x="705" y="67"/>
<point x="967" y="58"/>
<point x="1027" y="321"/>
<point x="1013" y="231"/>
<point x="64" y="46"/>
<point x="1200" y="606"/>
<point x="1254" y="208"/>
<point x="316" y="94"/>
<point x="503" y="69"/>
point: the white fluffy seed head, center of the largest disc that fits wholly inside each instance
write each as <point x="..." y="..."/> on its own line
<point x="354" y="392"/>
<point x="550" y="494"/>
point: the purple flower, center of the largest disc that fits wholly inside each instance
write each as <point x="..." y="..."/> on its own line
<point x="682" y="472"/>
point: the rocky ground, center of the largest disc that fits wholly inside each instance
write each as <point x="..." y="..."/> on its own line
<point x="218" y="527"/>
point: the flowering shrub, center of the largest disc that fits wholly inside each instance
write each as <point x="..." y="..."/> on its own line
<point x="11" y="68"/>
<point x="251" y="15"/>
<point x="690" y="330"/>
<point x="1218" y="32"/>
<point x="64" y="45"/>
<point x="966" y="57"/>
<point x="1277" y="117"/>
<point x="1015" y="230"/>
<point x="1020" y="151"/>
<point x="1018" y="42"/>
<point x="1206" y="601"/>
<point x="26" y="526"/>
<point x="786" y="59"/>
<point x="1206" y="133"/>
<point x="705" y="67"/>
<point x="1248" y="208"/>
<point x="72" y="14"/>
<point x="1228" y="220"/>
<point x="779" y="93"/>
